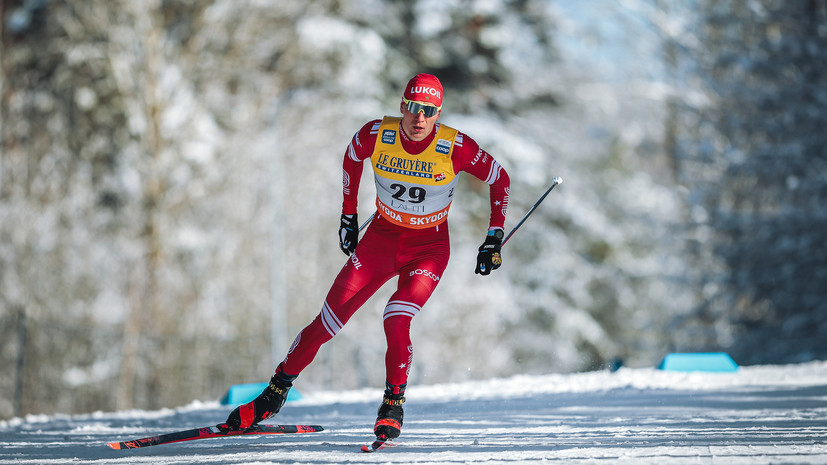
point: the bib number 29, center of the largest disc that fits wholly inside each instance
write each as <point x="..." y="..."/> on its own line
<point x="414" y="194"/>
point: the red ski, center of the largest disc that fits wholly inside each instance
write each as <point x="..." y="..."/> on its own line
<point x="213" y="432"/>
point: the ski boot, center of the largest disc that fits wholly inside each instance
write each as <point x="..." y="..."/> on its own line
<point x="389" y="417"/>
<point x="267" y="404"/>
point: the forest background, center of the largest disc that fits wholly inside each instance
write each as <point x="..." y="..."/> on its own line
<point x="170" y="188"/>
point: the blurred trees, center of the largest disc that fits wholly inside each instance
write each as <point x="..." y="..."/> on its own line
<point x="753" y="155"/>
<point x="118" y="187"/>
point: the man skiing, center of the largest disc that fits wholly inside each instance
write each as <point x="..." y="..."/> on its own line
<point x="415" y="162"/>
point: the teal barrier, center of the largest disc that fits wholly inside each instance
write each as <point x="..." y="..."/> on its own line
<point x="243" y="393"/>
<point x="713" y="362"/>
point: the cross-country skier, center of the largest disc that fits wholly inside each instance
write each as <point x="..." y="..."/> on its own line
<point x="416" y="162"/>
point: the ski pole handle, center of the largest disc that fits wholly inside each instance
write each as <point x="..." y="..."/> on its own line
<point x="555" y="181"/>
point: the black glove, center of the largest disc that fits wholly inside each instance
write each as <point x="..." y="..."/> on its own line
<point x="489" y="257"/>
<point x="348" y="233"/>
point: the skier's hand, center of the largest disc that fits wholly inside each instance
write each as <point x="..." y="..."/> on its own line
<point x="348" y="233"/>
<point x="489" y="258"/>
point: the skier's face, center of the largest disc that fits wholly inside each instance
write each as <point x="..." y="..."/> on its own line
<point x="417" y="126"/>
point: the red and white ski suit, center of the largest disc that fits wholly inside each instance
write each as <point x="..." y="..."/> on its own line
<point x="407" y="238"/>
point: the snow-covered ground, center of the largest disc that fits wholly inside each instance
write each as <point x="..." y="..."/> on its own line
<point x="758" y="415"/>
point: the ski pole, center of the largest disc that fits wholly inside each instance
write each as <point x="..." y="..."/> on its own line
<point x="367" y="221"/>
<point x="555" y="181"/>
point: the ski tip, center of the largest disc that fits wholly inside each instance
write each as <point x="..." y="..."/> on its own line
<point x="114" y="445"/>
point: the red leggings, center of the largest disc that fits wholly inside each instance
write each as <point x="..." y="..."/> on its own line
<point x="417" y="256"/>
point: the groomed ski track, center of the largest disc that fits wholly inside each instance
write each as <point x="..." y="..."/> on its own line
<point x="759" y="415"/>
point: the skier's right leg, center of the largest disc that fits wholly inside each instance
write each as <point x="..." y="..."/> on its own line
<point x="365" y="271"/>
<point x="352" y="288"/>
<point x="304" y="349"/>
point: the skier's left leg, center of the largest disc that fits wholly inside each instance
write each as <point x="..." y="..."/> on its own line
<point x="417" y="282"/>
<point x="415" y="287"/>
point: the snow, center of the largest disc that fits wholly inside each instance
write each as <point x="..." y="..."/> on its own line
<point x="757" y="415"/>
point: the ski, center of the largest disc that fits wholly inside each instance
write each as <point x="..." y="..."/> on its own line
<point x="379" y="444"/>
<point x="212" y="432"/>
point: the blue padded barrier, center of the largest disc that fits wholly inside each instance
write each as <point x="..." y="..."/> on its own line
<point x="243" y="393"/>
<point x="714" y="362"/>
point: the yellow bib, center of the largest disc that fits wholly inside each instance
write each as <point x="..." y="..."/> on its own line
<point x="414" y="191"/>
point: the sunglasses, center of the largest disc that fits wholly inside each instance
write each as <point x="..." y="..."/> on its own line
<point x="416" y="107"/>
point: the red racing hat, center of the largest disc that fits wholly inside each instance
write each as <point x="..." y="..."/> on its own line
<point x="424" y="88"/>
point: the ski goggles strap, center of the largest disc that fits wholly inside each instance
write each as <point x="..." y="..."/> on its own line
<point x="415" y="107"/>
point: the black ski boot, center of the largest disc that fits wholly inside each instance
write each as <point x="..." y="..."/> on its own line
<point x="389" y="417"/>
<point x="267" y="404"/>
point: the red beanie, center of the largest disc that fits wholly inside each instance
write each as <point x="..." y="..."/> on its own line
<point x="424" y="88"/>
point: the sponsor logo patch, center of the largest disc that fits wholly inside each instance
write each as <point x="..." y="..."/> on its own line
<point x="443" y="146"/>
<point x="477" y="158"/>
<point x="425" y="90"/>
<point x="399" y="165"/>
<point x="388" y="136"/>
<point x="426" y="221"/>
<point x="425" y="273"/>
